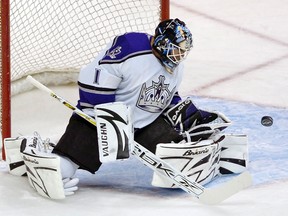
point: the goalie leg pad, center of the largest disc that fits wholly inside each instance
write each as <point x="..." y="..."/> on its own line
<point x="234" y="154"/>
<point x="199" y="161"/>
<point x="14" y="159"/>
<point x="114" y="130"/>
<point x="46" y="170"/>
<point x="44" y="175"/>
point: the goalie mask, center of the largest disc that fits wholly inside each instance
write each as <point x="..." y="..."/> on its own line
<point x="172" y="41"/>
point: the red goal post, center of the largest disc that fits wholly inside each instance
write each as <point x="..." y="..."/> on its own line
<point x="52" y="39"/>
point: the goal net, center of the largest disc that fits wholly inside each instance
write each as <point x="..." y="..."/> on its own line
<point x="53" y="39"/>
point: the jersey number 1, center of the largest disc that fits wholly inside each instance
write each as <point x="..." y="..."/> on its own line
<point x="97" y="74"/>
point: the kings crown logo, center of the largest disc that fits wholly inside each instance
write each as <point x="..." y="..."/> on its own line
<point x="156" y="97"/>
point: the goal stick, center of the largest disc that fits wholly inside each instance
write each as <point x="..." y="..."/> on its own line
<point x="213" y="195"/>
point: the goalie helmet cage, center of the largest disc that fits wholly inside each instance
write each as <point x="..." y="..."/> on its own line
<point x="52" y="39"/>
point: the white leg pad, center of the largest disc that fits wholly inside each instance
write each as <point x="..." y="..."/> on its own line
<point x="44" y="175"/>
<point x="199" y="161"/>
<point x="14" y="159"/>
<point x="234" y="155"/>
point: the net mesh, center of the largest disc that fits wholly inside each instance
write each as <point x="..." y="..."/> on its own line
<point x="56" y="36"/>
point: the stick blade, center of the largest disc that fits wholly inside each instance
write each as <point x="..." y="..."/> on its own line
<point x="212" y="196"/>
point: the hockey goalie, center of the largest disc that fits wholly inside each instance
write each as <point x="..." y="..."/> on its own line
<point x="197" y="148"/>
<point x="131" y="90"/>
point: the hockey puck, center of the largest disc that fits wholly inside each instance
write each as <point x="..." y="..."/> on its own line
<point x="267" y="121"/>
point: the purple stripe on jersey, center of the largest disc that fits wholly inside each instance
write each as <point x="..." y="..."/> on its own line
<point x="126" y="46"/>
<point x="89" y="100"/>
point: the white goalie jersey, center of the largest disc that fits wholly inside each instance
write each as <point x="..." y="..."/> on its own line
<point x="128" y="71"/>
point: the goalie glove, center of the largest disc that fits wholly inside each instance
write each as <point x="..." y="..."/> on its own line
<point x="207" y="129"/>
<point x="196" y="124"/>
